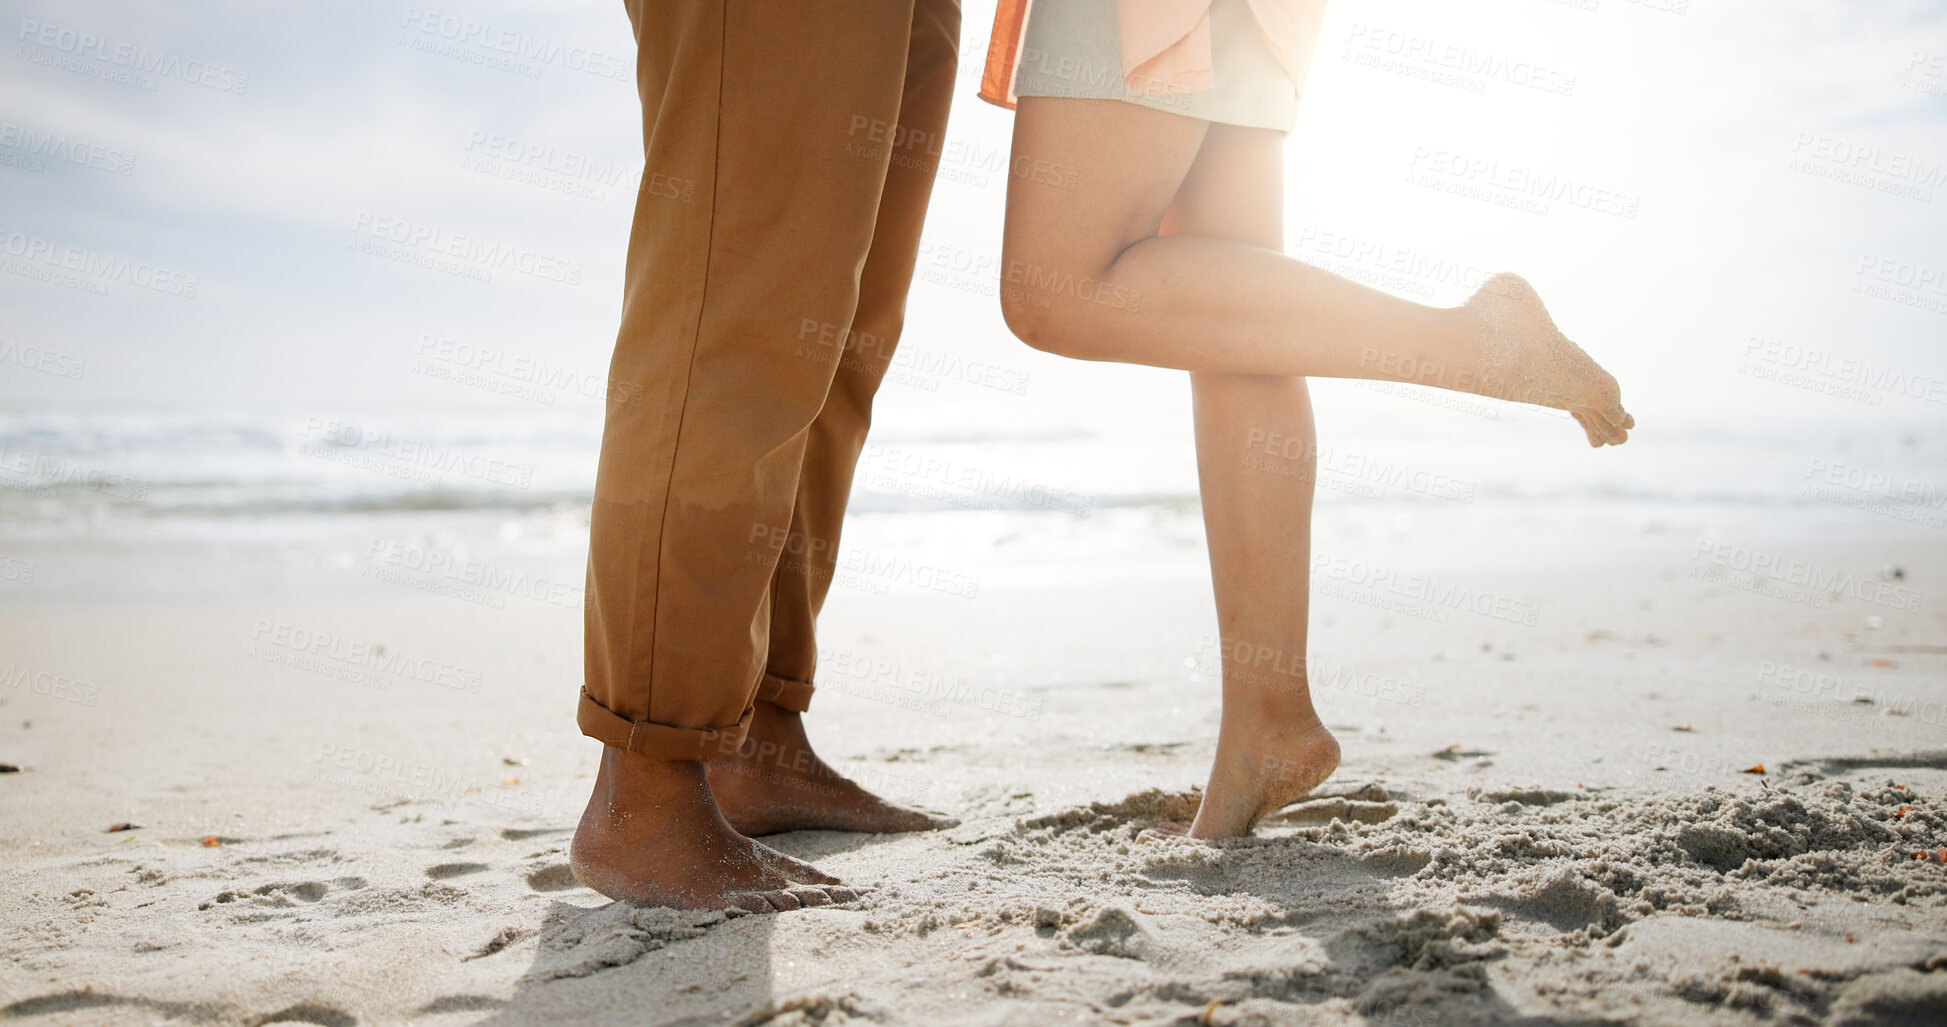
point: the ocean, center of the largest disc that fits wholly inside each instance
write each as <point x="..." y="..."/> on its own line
<point x="954" y="477"/>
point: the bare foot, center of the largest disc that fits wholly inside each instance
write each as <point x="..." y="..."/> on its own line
<point x="1167" y="831"/>
<point x="1264" y="762"/>
<point x="776" y="783"/>
<point x="1525" y="358"/>
<point x="652" y="835"/>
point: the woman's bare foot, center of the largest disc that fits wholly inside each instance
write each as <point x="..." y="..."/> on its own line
<point x="777" y="783"/>
<point x="1525" y="358"/>
<point x="652" y="835"/>
<point x="1264" y="762"/>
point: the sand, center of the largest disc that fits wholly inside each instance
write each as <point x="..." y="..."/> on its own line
<point x="1546" y="823"/>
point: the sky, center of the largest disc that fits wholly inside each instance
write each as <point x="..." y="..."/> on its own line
<point x="1739" y="208"/>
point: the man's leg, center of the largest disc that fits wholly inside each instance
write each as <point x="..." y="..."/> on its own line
<point x="776" y="782"/>
<point x="750" y="219"/>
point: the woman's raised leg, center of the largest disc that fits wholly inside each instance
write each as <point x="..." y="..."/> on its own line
<point x="1085" y="274"/>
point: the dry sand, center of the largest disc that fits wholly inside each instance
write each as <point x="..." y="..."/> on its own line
<point x="1540" y="824"/>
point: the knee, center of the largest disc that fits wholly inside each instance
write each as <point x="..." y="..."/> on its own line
<point x="1031" y="317"/>
<point x="1048" y="319"/>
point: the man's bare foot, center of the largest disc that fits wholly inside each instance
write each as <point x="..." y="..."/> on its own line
<point x="652" y="835"/>
<point x="1264" y="762"/>
<point x="1525" y="358"/>
<point x="777" y="783"/>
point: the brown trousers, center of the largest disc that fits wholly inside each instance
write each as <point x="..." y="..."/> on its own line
<point x="790" y="149"/>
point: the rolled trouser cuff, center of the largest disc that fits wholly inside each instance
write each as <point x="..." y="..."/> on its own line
<point x="658" y="741"/>
<point x="784" y="692"/>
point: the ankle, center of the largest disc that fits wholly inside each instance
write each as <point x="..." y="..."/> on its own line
<point x="769" y="716"/>
<point x="1282" y="711"/>
<point x="626" y="776"/>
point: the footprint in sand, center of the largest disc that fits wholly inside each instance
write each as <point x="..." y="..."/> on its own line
<point x="445" y="870"/>
<point x="285" y="893"/>
<point x="554" y="878"/>
<point x="303" y="891"/>
<point x="1935" y="759"/>
<point x="521" y="834"/>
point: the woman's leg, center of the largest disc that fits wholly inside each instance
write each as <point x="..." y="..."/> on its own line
<point x="1256" y="463"/>
<point x="1085" y="274"/>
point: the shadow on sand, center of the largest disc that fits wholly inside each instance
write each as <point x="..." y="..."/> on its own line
<point x="611" y="962"/>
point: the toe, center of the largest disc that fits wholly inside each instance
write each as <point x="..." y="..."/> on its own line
<point x="845" y="893"/>
<point x="1608" y="418"/>
<point x="1588" y="428"/>
<point x="1616" y="419"/>
<point x="793" y="867"/>
<point x="808" y="897"/>
<point x="751" y="903"/>
<point x="896" y="819"/>
<point x="1609" y="428"/>
<point x="783" y="900"/>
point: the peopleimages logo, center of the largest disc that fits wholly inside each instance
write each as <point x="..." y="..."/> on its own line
<point x="18" y="677"/>
<point x="1819" y="685"/>
<point x="1799" y="581"/>
<point x="451" y="572"/>
<point x="1834" y="372"/>
<point x="80" y="260"/>
<point x="42" y="359"/>
<point x="277" y="641"/>
<point x="127" y="57"/>
<point x="433" y="26"/>
<point x="58" y="146"/>
<point x="1416" y="595"/>
<point x="1840" y="160"/>
<point x="421" y="460"/>
<point x="511" y="373"/>
<point x="42" y="474"/>
<point x="1460" y="168"/>
<point x="438" y="248"/>
<point x="1450" y="63"/>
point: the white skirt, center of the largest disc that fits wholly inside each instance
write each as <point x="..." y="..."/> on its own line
<point x="1073" y="49"/>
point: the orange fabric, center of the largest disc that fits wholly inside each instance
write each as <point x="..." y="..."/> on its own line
<point x="1165" y="43"/>
<point x="1003" y="52"/>
<point x="764" y="293"/>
